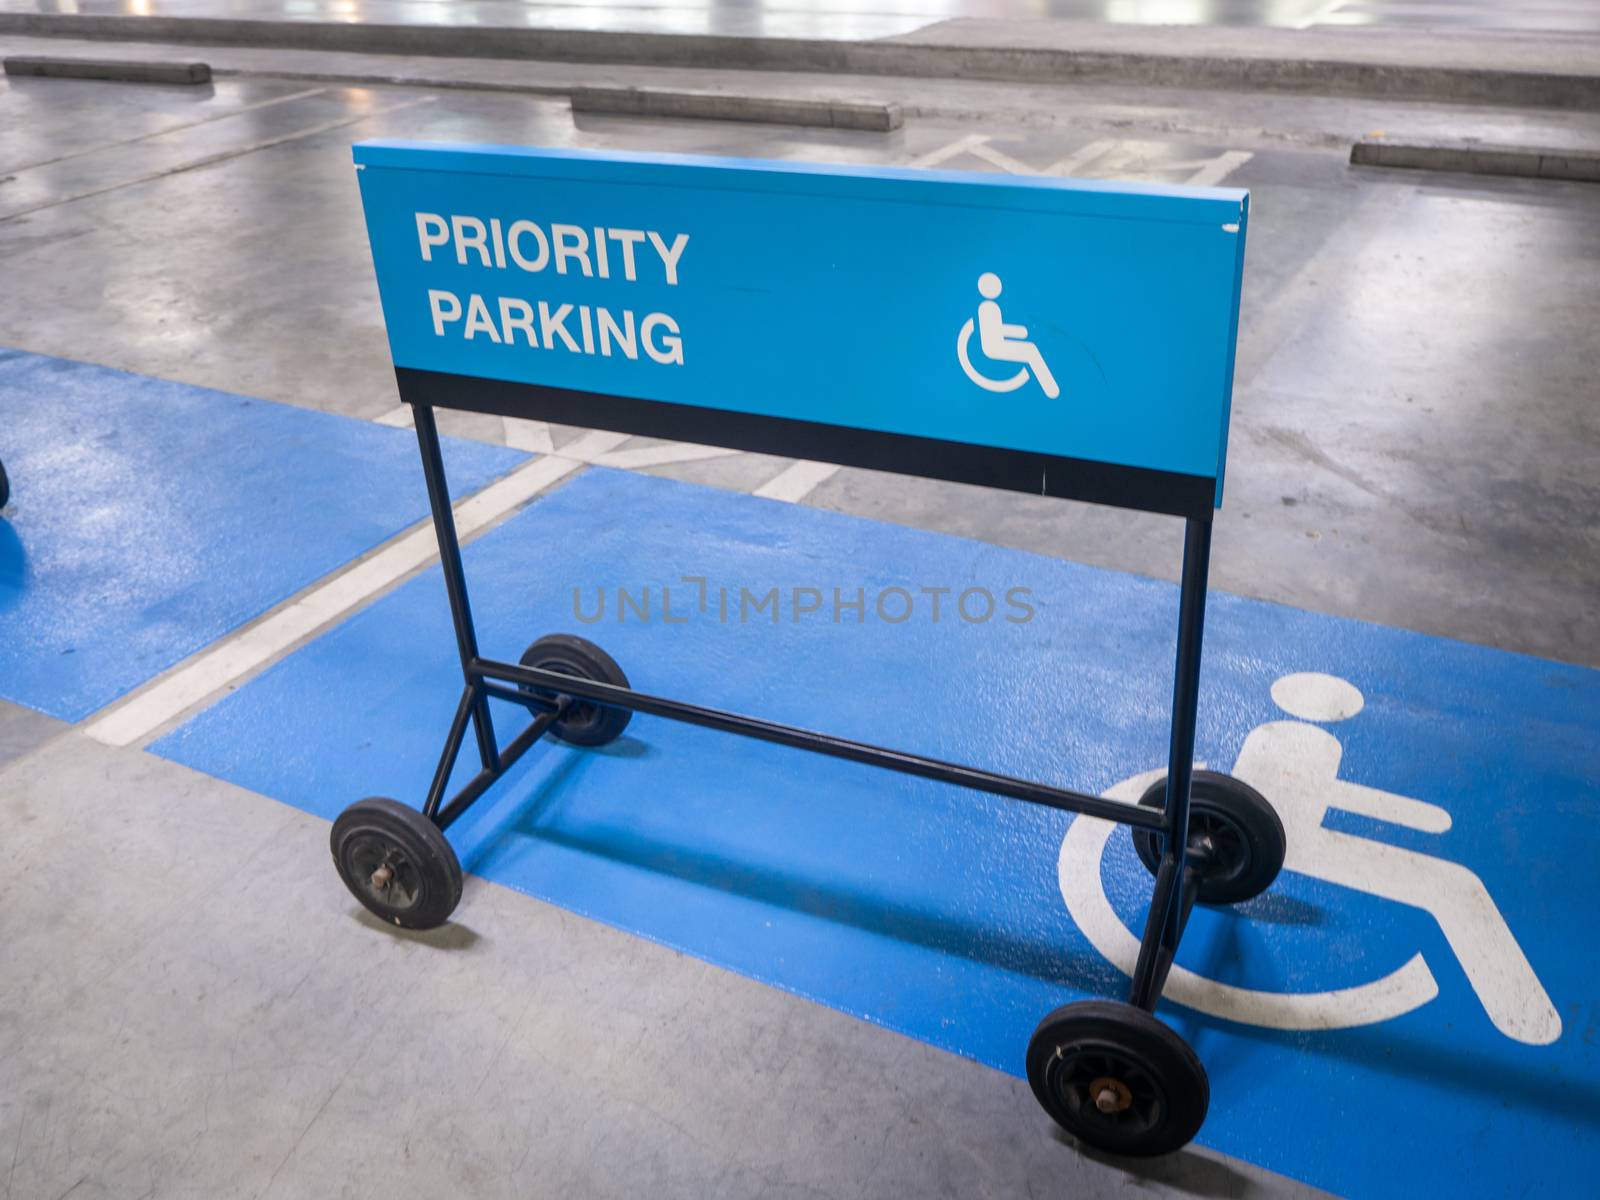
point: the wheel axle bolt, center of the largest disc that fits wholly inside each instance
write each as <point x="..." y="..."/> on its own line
<point x="383" y="876"/>
<point x="1110" y="1095"/>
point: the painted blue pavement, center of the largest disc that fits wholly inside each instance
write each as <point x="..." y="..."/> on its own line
<point x="148" y="518"/>
<point x="943" y="913"/>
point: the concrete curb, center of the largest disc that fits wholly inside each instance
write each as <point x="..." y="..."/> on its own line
<point x="1281" y="67"/>
<point x="1476" y="158"/>
<point x="867" y="115"/>
<point x="121" y="70"/>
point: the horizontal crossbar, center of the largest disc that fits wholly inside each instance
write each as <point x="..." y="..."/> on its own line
<point x="1065" y="799"/>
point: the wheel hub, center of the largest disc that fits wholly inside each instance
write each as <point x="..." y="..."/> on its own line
<point x="1219" y="845"/>
<point x="575" y="713"/>
<point x="578" y="721"/>
<point x="1110" y="1095"/>
<point x="385" y="871"/>
<point x="1107" y="1087"/>
<point x="1235" y="840"/>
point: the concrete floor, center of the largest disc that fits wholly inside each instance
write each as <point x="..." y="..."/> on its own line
<point x="1413" y="443"/>
<point x="22" y="731"/>
<point x="863" y="18"/>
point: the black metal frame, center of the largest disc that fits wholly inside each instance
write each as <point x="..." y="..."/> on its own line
<point x="1177" y="878"/>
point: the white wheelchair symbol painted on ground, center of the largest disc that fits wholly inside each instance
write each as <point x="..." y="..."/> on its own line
<point x="1296" y="767"/>
<point x="1002" y="343"/>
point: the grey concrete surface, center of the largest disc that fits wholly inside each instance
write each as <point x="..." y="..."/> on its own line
<point x="1478" y="158"/>
<point x="790" y="19"/>
<point x="852" y="18"/>
<point x="1471" y="65"/>
<point x="1436" y="64"/>
<point x="1206" y="115"/>
<point x="22" y="731"/>
<point x="194" y="1007"/>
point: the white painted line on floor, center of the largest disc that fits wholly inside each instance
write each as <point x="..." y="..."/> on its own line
<point x="229" y="660"/>
<point x="532" y="436"/>
<point x="1205" y="172"/>
<point x="797" y="481"/>
<point x="979" y="145"/>
<point x="178" y="128"/>
<point x="1137" y="161"/>
<point x="1211" y="173"/>
<point x="593" y="444"/>
<point x="996" y="157"/>
<point x="1079" y="158"/>
<point x="946" y="153"/>
<point x="211" y="159"/>
<point x="1329" y="14"/>
<point x="597" y="446"/>
<point x="661" y="456"/>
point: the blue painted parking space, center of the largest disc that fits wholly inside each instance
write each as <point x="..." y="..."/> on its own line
<point x="148" y="518"/>
<point x="1417" y="974"/>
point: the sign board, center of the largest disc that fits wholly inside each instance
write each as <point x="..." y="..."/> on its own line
<point x="1061" y="337"/>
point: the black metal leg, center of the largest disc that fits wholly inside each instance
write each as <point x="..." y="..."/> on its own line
<point x="1162" y="931"/>
<point x="1170" y="904"/>
<point x="474" y="704"/>
<point x="452" y="749"/>
<point x="1143" y="993"/>
<point x="455" y="579"/>
<point x="481" y="782"/>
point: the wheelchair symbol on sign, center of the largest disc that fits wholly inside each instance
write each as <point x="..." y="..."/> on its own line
<point x="1295" y="764"/>
<point x="1002" y="343"/>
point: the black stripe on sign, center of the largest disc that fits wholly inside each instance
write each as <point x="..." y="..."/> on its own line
<point x="930" y="458"/>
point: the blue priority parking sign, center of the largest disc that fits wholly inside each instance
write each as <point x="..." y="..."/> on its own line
<point x="1060" y="337"/>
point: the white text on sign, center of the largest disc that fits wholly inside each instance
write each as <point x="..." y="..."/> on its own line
<point x="527" y="246"/>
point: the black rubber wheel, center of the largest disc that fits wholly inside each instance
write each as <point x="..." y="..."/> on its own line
<point x="1232" y="827"/>
<point x="584" y="724"/>
<point x="397" y="863"/>
<point x="1118" y="1079"/>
